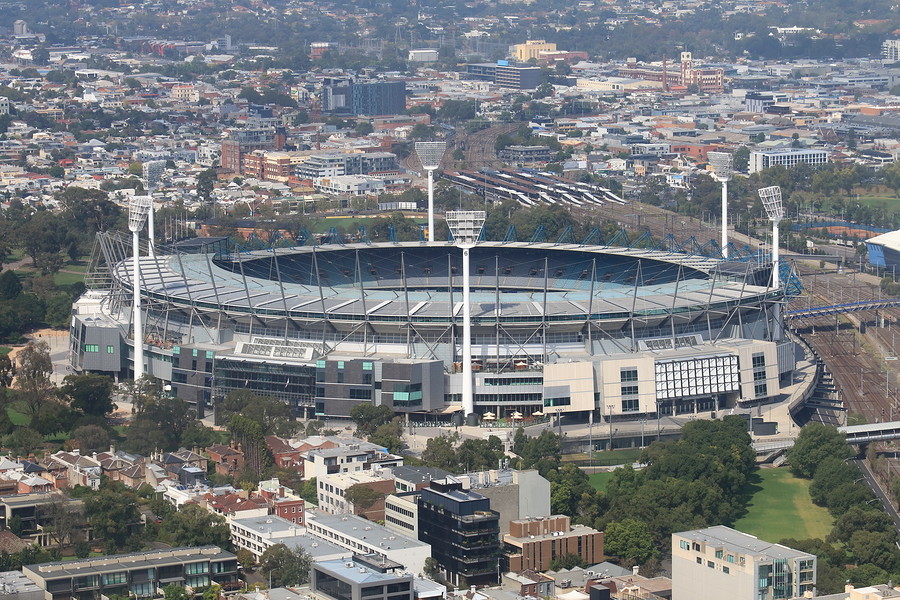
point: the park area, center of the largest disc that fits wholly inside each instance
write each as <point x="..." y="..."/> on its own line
<point x="778" y="506"/>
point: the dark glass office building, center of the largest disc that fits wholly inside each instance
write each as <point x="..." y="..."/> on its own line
<point x="378" y="98"/>
<point x="463" y="531"/>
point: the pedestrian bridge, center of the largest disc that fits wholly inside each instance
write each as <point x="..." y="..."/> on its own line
<point x="856" y="434"/>
<point x="836" y="309"/>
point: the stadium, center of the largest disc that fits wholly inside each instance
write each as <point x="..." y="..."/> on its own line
<point x="556" y="328"/>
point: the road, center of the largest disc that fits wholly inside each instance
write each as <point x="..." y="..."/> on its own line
<point x="879" y="493"/>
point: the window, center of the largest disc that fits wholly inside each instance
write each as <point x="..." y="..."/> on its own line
<point x="719" y="554"/>
<point x="367" y="378"/>
<point x="710" y="564"/>
<point x="684" y="545"/>
<point x="630" y="405"/>
<point x="340" y="377"/>
<point x="731" y="558"/>
<point x="92" y="347"/>
<point x="726" y="570"/>
<point x="759" y="360"/>
<point x="761" y="389"/>
<point x="629" y="374"/>
<point x="115" y="578"/>
<point x="194" y="353"/>
<point x="110" y="349"/>
<point x="629" y="390"/>
<point x="360" y="394"/>
<point x="367" y="366"/>
<point x="340" y="364"/>
<point x="699" y="560"/>
<point x="209" y="354"/>
<point x="557" y="401"/>
<point x="320" y="364"/>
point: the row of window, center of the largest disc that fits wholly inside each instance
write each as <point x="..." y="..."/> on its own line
<point x="96" y="348"/>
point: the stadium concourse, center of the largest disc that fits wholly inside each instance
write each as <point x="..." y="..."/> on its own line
<point x="557" y="329"/>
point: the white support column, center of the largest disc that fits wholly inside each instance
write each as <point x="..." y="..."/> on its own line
<point x="136" y="303"/>
<point x="725" y="218"/>
<point x="430" y="205"/>
<point x="775" y="276"/>
<point x="468" y="395"/>
<point x="151" y="232"/>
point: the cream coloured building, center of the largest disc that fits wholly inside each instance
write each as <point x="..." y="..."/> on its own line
<point x="720" y="562"/>
<point x="530" y="49"/>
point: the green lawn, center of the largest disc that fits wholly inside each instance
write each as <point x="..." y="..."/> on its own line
<point x="63" y="279"/>
<point x="605" y="458"/>
<point x="18" y="418"/>
<point x="599" y="480"/>
<point x="4" y="350"/>
<point x="779" y="507"/>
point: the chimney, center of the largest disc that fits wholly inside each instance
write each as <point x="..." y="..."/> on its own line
<point x="635" y="569"/>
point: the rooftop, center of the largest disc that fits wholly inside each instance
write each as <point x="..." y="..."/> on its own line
<point x="361" y="529"/>
<point x="739" y="542"/>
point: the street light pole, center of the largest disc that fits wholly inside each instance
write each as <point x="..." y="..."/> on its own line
<point x="609" y="409"/>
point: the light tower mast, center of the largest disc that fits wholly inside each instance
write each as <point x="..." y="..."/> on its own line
<point x="138" y="209"/>
<point x="430" y="155"/>
<point x="722" y="166"/>
<point x="465" y="225"/>
<point x="771" y="200"/>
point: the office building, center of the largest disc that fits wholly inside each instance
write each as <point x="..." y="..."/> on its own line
<point x="138" y="575"/>
<point x="463" y="532"/>
<point x="890" y="50"/>
<point x="719" y="562"/>
<point x="378" y="98"/>
<point x="361" y="577"/>
<point x="513" y="494"/>
<point x="534" y="544"/>
<point x="530" y="49"/>
<point x="787" y="157"/>
<point x="504" y="74"/>
<point x="361" y="536"/>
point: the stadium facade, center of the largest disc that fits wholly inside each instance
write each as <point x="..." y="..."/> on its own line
<point x="557" y="328"/>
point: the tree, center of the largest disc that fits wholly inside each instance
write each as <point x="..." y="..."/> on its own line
<point x="91" y="438"/>
<point x="432" y="568"/>
<point x="206" y="181"/>
<point x="194" y="526"/>
<point x="246" y="559"/>
<point x="33" y="369"/>
<point x="369" y="417"/>
<point x="630" y="540"/>
<point x="89" y="393"/>
<point x="10" y="286"/>
<point x="284" y="566"/>
<point x="23" y="441"/>
<point x="362" y="496"/>
<point x="389" y="435"/>
<point x="7" y="371"/>
<point x="112" y="512"/>
<point x="815" y="443"/>
<point x="568" y="561"/>
<point x="173" y="591"/>
<point x="62" y="520"/>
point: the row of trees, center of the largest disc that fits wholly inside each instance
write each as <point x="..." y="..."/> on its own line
<point x="861" y="547"/>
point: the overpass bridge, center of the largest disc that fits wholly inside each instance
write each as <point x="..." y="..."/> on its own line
<point x="856" y="434"/>
<point x="836" y="309"/>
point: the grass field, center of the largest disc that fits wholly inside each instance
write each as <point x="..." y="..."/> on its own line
<point x="606" y="458"/>
<point x="599" y="480"/>
<point x="4" y="350"/>
<point x="63" y="279"/>
<point x="779" y="507"/>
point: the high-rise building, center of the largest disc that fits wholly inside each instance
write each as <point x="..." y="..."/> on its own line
<point x="787" y="157"/>
<point x="378" y="98"/>
<point x="720" y="562"/>
<point x="890" y="50"/>
<point x="463" y="533"/>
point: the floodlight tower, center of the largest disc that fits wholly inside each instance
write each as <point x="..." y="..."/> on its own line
<point x="722" y="166"/>
<point x="465" y="225"/>
<point x="138" y="209"/>
<point x="152" y="172"/>
<point x="430" y="155"/>
<point x="771" y="199"/>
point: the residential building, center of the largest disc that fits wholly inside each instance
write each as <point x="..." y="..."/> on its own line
<point x="529" y="583"/>
<point x="530" y="49"/>
<point x="788" y="157"/>
<point x="513" y="494"/>
<point x="463" y="533"/>
<point x="890" y="50"/>
<point x="533" y="544"/>
<point x="522" y="155"/>
<point x="361" y="577"/>
<point x="139" y="575"/>
<point x="350" y="185"/>
<point x="361" y="536"/>
<point x="401" y="513"/>
<point x="15" y="586"/>
<point x="504" y="74"/>
<point x="378" y="98"/>
<point x="258" y="534"/>
<point x="332" y="490"/>
<point x="357" y="456"/>
<point x="720" y="562"/>
<point x="332" y="164"/>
